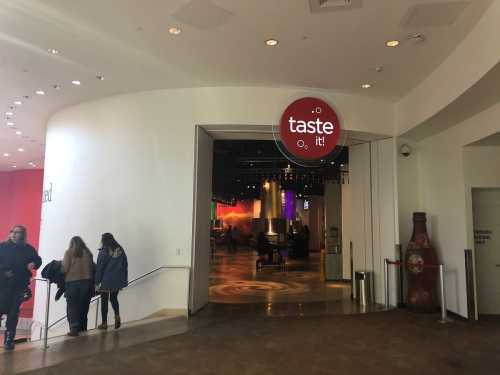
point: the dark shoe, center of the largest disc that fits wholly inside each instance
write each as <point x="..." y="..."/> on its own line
<point x="73" y="333"/>
<point x="118" y="322"/>
<point x="103" y="326"/>
<point x="9" y="341"/>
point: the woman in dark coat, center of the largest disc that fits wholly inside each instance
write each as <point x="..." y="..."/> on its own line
<point x="111" y="277"/>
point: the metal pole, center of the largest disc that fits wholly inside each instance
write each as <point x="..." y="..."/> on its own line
<point x="401" y="277"/>
<point x="386" y="282"/>
<point x="47" y="308"/>
<point x="352" y="269"/>
<point x="444" y="317"/>
<point x="97" y="312"/>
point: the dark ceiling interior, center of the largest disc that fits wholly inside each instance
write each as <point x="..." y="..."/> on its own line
<point x="240" y="167"/>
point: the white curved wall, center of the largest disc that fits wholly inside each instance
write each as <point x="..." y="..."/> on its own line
<point x="465" y="66"/>
<point x="125" y="164"/>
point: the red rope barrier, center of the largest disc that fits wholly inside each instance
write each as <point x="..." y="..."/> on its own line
<point x="398" y="263"/>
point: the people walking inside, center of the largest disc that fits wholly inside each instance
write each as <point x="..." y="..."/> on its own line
<point x="17" y="261"/>
<point x="78" y="269"/>
<point x="111" y="277"/>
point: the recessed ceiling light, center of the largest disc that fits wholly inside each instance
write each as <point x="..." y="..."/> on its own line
<point x="19" y="132"/>
<point x="392" y="43"/>
<point x="18" y="102"/>
<point x="9" y="114"/>
<point x="40" y="92"/>
<point x="20" y="149"/>
<point x="76" y="82"/>
<point x="272" y="42"/>
<point x="366" y="85"/>
<point x="6" y="154"/>
<point x="14" y="166"/>
<point x="174" y="30"/>
<point x="100" y="77"/>
<point x="53" y="51"/>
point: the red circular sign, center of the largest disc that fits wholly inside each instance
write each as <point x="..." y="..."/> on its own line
<point x="309" y="128"/>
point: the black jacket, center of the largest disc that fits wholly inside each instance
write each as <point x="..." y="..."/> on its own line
<point x="15" y="258"/>
<point x="53" y="273"/>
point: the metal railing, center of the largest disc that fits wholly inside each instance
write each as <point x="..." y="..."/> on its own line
<point x="47" y="305"/>
<point x="96" y="299"/>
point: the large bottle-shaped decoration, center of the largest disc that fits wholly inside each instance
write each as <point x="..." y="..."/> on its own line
<point x="422" y="281"/>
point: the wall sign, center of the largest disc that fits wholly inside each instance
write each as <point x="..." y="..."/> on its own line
<point x="309" y="129"/>
<point x="481" y="236"/>
<point x="47" y="195"/>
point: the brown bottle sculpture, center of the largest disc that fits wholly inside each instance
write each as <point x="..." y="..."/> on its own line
<point x="422" y="281"/>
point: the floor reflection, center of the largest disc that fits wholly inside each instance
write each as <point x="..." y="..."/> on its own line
<point x="236" y="287"/>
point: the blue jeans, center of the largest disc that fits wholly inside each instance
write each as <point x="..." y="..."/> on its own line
<point x="78" y="295"/>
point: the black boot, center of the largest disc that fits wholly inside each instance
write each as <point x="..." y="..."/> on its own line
<point x="9" y="341"/>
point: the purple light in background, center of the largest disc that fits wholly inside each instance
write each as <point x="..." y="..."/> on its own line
<point x="289" y="211"/>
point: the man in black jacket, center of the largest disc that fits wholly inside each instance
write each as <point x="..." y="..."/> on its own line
<point x="17" y="261"/>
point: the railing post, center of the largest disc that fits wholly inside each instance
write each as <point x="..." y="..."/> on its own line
<point x="386" y="282"/>
<point x="97" y="312"/>
<point x="444" y="314"/>
<point x="47" y="309"/>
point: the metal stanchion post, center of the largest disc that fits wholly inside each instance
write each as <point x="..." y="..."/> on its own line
<point x="444" y="315"/>
<point x="401" y="302"/>
<point x="97" y="312"/>
<point x="386" y="282"/>
<point x="47" y="308"/>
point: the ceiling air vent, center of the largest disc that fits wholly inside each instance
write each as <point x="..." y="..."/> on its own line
<point x="321" y="6"/>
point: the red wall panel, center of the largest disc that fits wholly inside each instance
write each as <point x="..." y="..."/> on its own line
<point x="21" y="203"/>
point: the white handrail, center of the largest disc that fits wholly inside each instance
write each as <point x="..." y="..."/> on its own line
<point x="96" y="299"/>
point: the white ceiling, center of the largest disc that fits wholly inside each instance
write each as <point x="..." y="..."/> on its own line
<point x="222" y="43"/>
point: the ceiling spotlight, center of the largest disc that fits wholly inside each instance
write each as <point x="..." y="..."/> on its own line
<point x="272" y="42"/>
<point x="9" y="114"/>
<point x="100" y="77"/>
<point x="366" y="85"/>
<point x="18" y="102"/>
<point x="40" y="92"/>
<point x="19" y="132"/>
<point x="392" y="43"/>
<point x="14" y="166"/>
<point x="76" y="83"/>
<point x="53" y="51"/>
<point x="6" y="154"/>
<point x="332" y="163"/>
<point x="174" y="30"/>
<point x="20" y="149"/>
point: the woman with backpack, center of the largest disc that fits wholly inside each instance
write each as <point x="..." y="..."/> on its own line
<point x="111" y="277"/>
